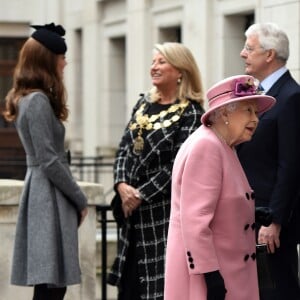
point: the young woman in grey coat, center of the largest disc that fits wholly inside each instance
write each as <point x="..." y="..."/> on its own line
<point x="52" y="205"/>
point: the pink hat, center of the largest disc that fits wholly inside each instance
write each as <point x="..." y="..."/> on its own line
<point x="233" y="89"/>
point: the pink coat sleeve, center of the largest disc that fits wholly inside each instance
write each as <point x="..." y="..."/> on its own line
<point x="200" y="191"/>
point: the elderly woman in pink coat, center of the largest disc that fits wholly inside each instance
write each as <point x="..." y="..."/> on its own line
<point x="211" y="250"/>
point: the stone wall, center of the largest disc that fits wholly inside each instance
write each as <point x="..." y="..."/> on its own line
<point x="10" y="191"/>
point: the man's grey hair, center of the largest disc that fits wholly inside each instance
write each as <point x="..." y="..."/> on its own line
<point x="270" y="36"/>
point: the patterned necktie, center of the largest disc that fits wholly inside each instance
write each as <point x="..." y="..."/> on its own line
<point x="260" y="88"/>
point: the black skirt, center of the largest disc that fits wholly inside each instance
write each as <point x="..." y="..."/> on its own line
<point x="129" y="286"/>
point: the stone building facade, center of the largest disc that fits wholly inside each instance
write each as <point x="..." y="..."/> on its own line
<point x="110" y="46"/>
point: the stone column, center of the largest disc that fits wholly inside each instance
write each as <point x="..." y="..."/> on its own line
<point x="10" y="191"/>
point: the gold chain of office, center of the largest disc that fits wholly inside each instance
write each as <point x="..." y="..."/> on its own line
<point x="143" y="121"/>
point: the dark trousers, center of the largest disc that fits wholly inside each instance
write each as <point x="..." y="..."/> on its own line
<point x="284" y="270"/>
<point x="43" y="292"/>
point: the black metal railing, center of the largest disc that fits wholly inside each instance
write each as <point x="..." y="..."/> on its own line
<point x="90" y="169"/>
<point x="83" y="168"/>
<point x="94" y="169"/>
<point x="102" y="211"/>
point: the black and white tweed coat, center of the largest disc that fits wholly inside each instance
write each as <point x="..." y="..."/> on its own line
<point x="150" y="173"/>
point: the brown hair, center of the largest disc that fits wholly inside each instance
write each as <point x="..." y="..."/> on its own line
<point x="36" y="70"/>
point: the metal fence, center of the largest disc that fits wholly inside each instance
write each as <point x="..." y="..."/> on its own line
<point x="98" y="169"/>
<point x="102" y="211"/>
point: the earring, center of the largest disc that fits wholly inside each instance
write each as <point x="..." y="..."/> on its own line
<point x="226" y="122"/>
<point x="179" y="80"/>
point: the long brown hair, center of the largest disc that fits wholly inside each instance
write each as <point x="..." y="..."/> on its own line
<point x="36" y="70"/>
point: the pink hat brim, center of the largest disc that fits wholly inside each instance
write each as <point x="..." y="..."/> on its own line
<point x="264" y="103"/>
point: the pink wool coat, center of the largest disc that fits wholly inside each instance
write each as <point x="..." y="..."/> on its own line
<point x="212" y="222"/>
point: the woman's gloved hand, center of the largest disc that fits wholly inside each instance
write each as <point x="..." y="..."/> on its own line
<point x="263" y="216"/>
<point x="215" y="286"/>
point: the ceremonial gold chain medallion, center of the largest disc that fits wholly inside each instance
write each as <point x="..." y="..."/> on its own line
<point x="154" y="122"/>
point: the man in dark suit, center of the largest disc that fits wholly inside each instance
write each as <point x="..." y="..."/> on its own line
<point x="272" y="158"/>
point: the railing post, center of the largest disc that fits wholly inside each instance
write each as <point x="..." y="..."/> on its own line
<point x="103" y="221"/>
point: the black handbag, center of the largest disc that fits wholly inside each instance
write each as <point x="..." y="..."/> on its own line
<point x="117" y="211"/>
<point x="265" y="280"/>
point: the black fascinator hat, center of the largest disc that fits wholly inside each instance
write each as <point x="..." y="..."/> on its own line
<point x="51" y="36"/>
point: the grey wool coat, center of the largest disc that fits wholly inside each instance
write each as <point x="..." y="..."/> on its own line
<point x="150" y="173"/>
<point x="46" y="241"/>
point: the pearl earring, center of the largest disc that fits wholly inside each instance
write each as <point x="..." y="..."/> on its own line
<point x="179" y="80"/>
<point x="226" y="122"/>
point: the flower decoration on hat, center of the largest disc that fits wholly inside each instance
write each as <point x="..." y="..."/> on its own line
<point x="245" y="87"/>
<point x="234" y="89"/>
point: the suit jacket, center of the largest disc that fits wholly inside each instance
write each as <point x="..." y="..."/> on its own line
<point x="212" y="222"/>
<point x="271" y="159"/>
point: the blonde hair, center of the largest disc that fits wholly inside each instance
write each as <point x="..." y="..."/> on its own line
<point x="36" y="70"/>
<point x="181" y="58"/>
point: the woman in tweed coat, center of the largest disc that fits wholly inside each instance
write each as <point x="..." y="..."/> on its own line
<point x="160" y="122"/>
<point x="52" y="204"/>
